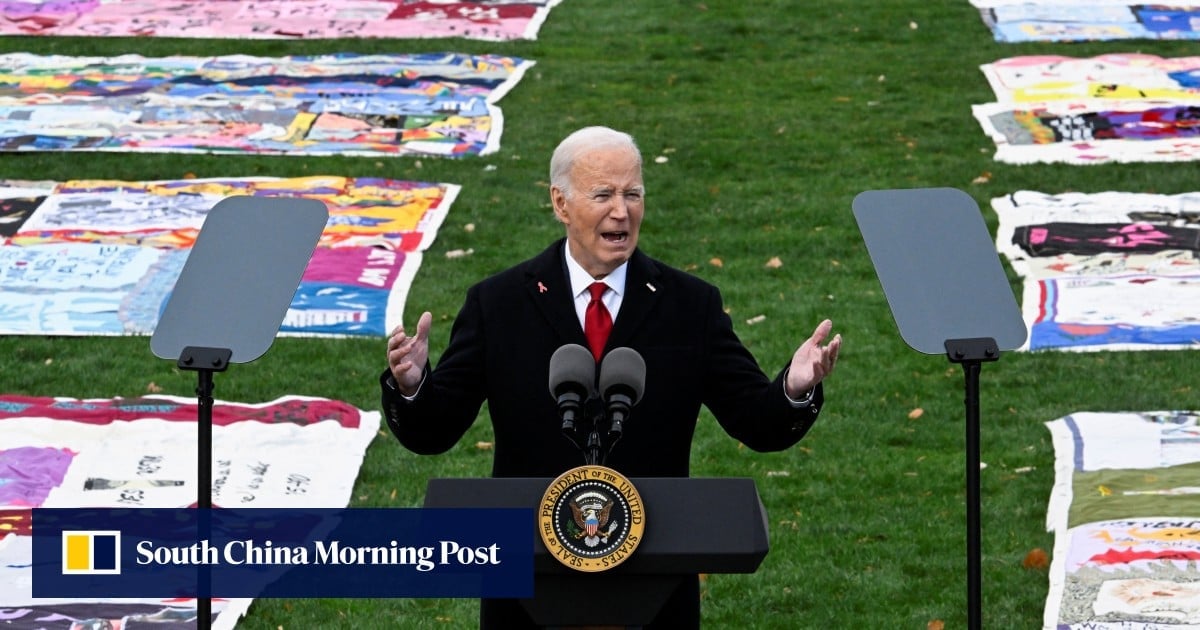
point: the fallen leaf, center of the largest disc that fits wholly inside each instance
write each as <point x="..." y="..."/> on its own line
<point x="842" y="99"/>
<point x="757" y="319"/>
<point x="1036" y="559"/>
<point x="916" y="413"/>
<point x="912" y="25"/>
<point x="983" y="178"/>
<point x="459" y="253"/>
<point x="716" y="262"/>
<point x="470" y="227"/>
<point x="774" y="263"/>
<point x="1025" y="469"/>
<point x="153" y="387"/>
<point x="483" y="446"/>
<point x="778" y="473"/>
<point x="393" y="495"/>
<point x="48" y="362"/>
<point x="661" y="159"/>
<point x="936" y="624"/>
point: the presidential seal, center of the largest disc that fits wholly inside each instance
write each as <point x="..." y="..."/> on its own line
<point x="591" y="518"/>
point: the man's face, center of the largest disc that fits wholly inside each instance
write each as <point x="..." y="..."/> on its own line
<point x="604" y="211"/>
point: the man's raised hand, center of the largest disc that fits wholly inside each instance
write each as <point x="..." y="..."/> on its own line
<point x="407" y="355"/>
<point x="812" y="362"/>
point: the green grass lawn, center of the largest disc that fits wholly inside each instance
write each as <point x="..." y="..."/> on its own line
<point x="772" y="115"/>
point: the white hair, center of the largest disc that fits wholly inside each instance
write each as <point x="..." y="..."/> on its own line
<point x="580" y="142"/>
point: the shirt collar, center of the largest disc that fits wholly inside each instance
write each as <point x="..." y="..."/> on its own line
<point x="581" y="280"/>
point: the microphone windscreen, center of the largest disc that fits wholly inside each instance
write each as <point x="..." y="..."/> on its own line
<point x="572" y="364"/>
<point x="624" y="366"/>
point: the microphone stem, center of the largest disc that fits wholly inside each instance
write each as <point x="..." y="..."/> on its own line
<point x="593" y="454"/>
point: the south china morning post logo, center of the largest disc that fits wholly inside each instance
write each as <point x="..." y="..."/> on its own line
<point x="268" y="553"/>
<point x="91" y="552"/>
<point x="403" y="552"/>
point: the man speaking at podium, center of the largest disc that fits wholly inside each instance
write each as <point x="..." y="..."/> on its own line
<point x="595" y="288"/>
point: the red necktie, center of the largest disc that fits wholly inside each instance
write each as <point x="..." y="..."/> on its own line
<point x="597" y="323"/>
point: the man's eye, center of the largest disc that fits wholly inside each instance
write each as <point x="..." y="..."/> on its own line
<point x="633" y="195"/>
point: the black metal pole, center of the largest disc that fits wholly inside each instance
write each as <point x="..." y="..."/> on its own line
<point x="974" y="548"/>
<point x="204" y="396"/>
<point x="204" y="361"/>
<point x="971" y="353"/>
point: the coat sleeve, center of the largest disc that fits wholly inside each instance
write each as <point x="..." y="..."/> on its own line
<point x="452" y="393"/>
<point x="750" y="406"/>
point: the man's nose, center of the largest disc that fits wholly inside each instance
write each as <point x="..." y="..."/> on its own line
<point x="619" y="209"/>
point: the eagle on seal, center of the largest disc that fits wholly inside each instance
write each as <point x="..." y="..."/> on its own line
<point x="592" y="518"/>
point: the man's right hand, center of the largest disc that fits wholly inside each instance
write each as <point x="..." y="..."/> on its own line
<point x="407" y="355"/>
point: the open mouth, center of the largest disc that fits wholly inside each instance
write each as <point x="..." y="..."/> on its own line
<point x="615" y="237"/>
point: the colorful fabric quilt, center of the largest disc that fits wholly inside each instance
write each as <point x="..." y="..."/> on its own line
<point x="493" y="20"/>
<point x="1088" y="20"/>
<point x="436" y="104"/>
<point x="61" y="452"/>
<point x="1125" y="512"/>
<point x="1105" y="271"/>
<point x="1109" y="108"/>
<point x="97" y="257"/>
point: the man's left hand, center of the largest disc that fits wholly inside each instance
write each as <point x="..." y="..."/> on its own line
<point x="812" y="362"/>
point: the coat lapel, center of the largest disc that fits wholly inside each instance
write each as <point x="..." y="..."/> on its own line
<point x="642" y="293"/>
<point x="547" y="286"/>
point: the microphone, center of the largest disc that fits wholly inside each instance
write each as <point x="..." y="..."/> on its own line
<point x="572" y="373"/>
<point x="622" y="382"/>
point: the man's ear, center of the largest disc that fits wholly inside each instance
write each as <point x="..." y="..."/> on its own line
<point x="559" y="202"/>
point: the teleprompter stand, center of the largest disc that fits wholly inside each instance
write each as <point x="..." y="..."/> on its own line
<point x="227" y="305"/>
<point x="948" y="294"/>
